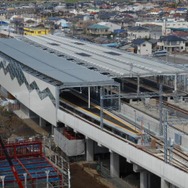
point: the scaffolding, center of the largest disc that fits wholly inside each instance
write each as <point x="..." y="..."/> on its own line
<point x="33" y="167"/>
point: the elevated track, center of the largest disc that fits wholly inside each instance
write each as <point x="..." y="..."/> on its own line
<point x="123" y="129"/>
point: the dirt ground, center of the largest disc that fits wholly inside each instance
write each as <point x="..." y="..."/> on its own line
<point x="12" y="126"/>
<point x="80" y="179"/>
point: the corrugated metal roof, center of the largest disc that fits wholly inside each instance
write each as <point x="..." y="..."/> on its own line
<point x="58" y="68"/>
<point x="118" y="63"/>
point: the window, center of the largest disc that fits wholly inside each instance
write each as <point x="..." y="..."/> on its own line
<point x="143" y="44"/>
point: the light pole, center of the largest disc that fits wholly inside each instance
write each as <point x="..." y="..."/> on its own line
<point x="3" y="181"/>
<point x="47" y="178"/>
<point x="25" y="179"/>
<point x="69" y="177"/>
<point x="135" y="118"/>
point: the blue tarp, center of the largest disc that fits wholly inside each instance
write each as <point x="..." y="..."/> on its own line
<point x="3" y="23"/>
<point x="54" y="18"/>
<point x="115" y="44"/>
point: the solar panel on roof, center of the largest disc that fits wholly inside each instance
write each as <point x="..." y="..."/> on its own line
<point x="113" y="53"/>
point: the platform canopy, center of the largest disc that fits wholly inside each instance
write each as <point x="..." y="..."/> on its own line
<point x="61" y="69"/>
<point x="112" y="62"/>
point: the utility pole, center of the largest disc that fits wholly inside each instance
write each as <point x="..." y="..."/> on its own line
<point x="160" y="109"/>
<point x="101" y="107"/>
<point x="165" y="133"/>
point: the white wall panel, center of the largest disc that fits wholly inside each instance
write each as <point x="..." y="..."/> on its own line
<point x="137" y="156"/>
<point x="41" y="84"/>
<point x="12" y="86"/>
<point x="44" y="108"/>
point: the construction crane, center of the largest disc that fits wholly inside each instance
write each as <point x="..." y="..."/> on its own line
<point x="19" y="182"/>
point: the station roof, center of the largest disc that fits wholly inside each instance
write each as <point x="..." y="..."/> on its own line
<point x="115" y="63"/>
<point x="60" y="69"/>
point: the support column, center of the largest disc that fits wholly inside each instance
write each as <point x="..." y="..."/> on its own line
<point x="52" y="129"/>
<point x="147" y="179"/>
<point x="25" y="110"/>
<point x="138" y="84"/>
<point x="175" y="83"/>
<point x="119" y="99"/>
<point x="89" y="150"/>
<point x="89" y="93"/>
<point x="185" y="82"/>
<point x="42" y="122"/>
<point x="110" y="93"/>
<point x="122" y="85"/>
<point x="101" y="108"/>
<point x="57" y="92"/>
<point x="164" y="183"/>
<point x="114" y="164"/>
<point x="144" y="179"/>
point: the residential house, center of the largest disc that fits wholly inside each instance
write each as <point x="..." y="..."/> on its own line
<point x="97" y="29"/>
<point x="172" y="43"/>
<point x="166" y="25"/>
<point x="112" y="26"/>
<point x="137" y="32"/>
<point x="142" y="47"/>
<point x="36" y="31"/>
<point x="181" y="10"/>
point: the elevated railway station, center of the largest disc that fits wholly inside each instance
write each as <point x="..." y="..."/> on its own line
<point x="66" y="83"/>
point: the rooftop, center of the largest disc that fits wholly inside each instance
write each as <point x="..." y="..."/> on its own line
<point x="115" y="62"/>
<point x="171" y="38"/>
<point x="97" y="26"/>
<point x="59" y="68"/>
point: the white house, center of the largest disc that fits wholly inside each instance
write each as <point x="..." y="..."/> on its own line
<point x="166" y="24"/>
<point x="142" y="47"/>
<point x="137" y="32"/>
<point x="172" y="43"/>
<point x="110" y="25"/>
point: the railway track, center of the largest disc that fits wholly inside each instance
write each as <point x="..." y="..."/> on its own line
<point x="80" y="104"/>
<point x="176" y="157"/>
<point x="175" y="107"/>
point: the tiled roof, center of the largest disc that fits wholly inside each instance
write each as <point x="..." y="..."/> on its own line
<point x="97" y="26"/>
<point x="171" y="38"/>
